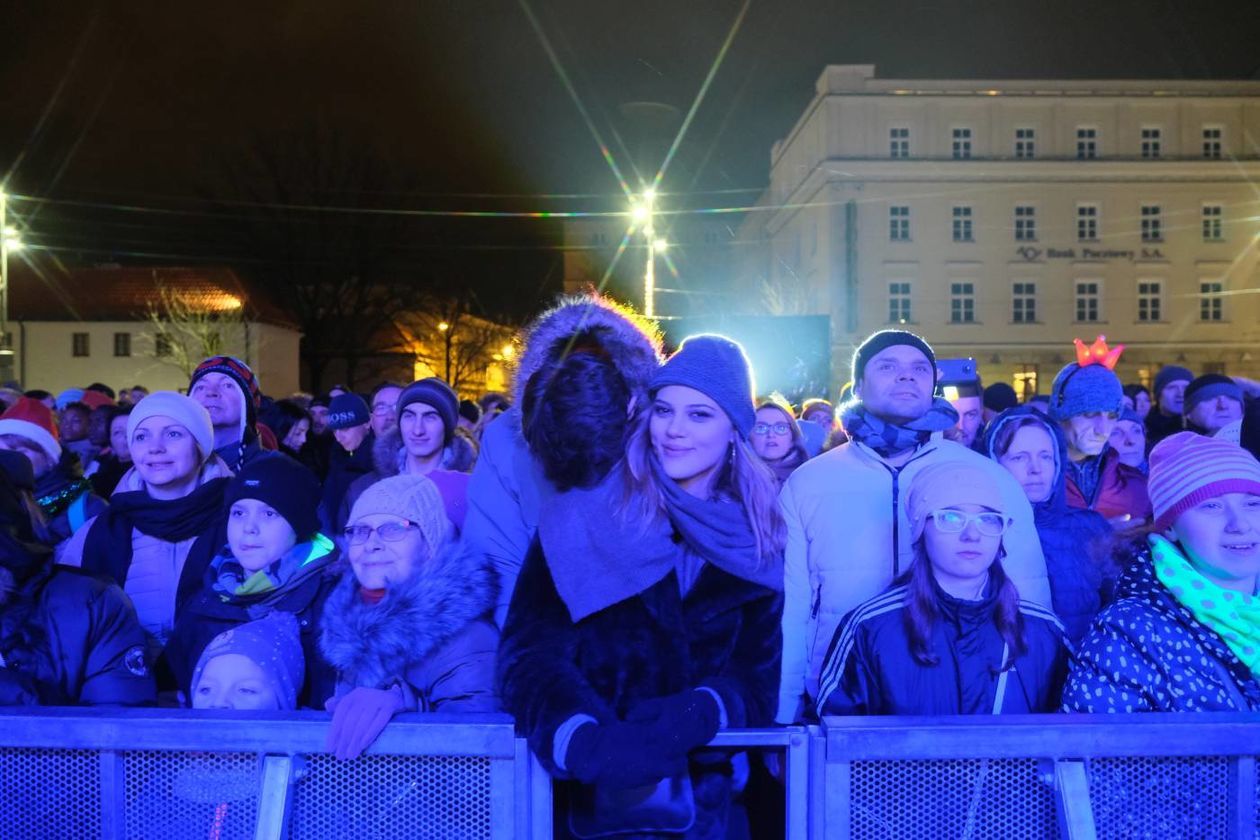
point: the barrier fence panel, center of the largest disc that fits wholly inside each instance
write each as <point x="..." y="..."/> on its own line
<point x="1152" y="775"/>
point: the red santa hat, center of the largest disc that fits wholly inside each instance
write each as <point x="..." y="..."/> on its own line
<point x="31" y="419"/>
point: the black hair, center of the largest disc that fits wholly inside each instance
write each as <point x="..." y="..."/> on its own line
<point x="101" y="388"/>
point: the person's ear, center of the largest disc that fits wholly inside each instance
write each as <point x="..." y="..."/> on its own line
<point x="1170" y="534"/>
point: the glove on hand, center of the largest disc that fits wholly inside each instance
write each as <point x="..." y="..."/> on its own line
<point x="621" y="755"/>
<point x="686" y="720"/>
<point x="359" y="717"/>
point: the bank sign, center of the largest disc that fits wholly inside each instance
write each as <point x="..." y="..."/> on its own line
<point x="1027" y="253"/>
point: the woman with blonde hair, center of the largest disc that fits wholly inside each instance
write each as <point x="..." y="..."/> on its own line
<point x="646" y="616"/>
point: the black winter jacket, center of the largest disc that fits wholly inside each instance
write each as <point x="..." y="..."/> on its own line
<point x="870" y="670"/>
<point x="70" y="638"/>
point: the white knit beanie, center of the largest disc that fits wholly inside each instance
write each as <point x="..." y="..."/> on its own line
<point x="183" y="410"/>
<point x="411" y="497"/>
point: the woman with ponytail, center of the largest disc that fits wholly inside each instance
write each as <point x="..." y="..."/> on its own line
<point x="952" y="635"/>
<point x="647" y="613"/>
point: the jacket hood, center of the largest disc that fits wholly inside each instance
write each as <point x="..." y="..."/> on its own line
<point x="632" y="341"/>
<point x="388" y="454"/>
<point x="370" y="645"/>
<point x="1057" y="500"/>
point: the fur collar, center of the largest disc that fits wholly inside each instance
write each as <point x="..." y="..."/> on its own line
<point x="388" y="454"/>
<point x="633" y="342"/>
<point x="371" y="645"/>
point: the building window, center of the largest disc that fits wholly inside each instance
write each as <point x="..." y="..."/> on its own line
<point x="1152" y="142"/>
<point x="1025" y="143"/>
<point x="899" y="142"/>
<point x="1150" y="300"/>
<point x="962" y="224"/>
<point x="899" y="223"/>
<point x="1210" y="300"/>
<point x="1152" y="223"/>
<point x="712" y="237"/>
<point x="899" y="302"/>
<point x="1213" y="223"/>
<point x="122" y="344"/>
<point x="1087" y="297"/>
<point x="962" y="303"/>
<point x="79" y="344"/>
<point x="599" y="240"/>
<point x="1086" y="143"/>
<point x="1087" y="222"/>
<point x="1025" y="223"/>
<point x="962" y="143"/>
<point x="161" y="345"/>
<point x="1024" y="303"/>
<point x="1212" y="135"/>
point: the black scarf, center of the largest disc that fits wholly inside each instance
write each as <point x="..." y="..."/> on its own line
<point x="199" y="514"/>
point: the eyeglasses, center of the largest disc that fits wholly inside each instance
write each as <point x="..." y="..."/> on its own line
<point x="767" y="428"/>
<point x="988" y="523"/>
<point x="389" y="532"/>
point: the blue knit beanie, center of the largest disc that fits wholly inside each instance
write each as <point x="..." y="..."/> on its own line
<point x="718" y="368"/>
<point x="1082" y="390"/>
<point x="1168" y="375"/>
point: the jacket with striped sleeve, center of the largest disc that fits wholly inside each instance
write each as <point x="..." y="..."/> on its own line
<point x="870" y="670"/>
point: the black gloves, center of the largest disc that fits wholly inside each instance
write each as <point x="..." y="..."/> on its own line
<point x="622" y="755"/>
<point x="686" y="720"/>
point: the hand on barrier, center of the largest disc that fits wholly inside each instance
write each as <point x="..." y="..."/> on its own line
<point x="622" y="755"/>
<point x="358" y="718"/>
<point x="688" y="719"/>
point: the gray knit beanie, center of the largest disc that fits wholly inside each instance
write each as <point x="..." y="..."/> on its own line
<point x="411" y="497"/>
<point x="717" y="367"/>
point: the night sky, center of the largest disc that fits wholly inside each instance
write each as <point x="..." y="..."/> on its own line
<point x="457" y="106"/>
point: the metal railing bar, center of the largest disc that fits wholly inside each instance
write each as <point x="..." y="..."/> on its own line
<point x="113" y="802"/>
<point x="1242" y="797"/>
<point x="274" y="798"/>
<point x="1072" y="802"/>
<point x="506" y="800"/>
<point x="797" y="785"/>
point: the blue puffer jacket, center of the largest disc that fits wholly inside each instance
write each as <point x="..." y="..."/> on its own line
<point x="1076" y="542"/>
<point x="1148" y="653"/>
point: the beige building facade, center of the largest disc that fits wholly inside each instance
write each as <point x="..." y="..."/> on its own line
<point x="1002" y="219"/>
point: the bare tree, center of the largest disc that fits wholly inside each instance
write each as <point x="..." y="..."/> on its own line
<point x="457" y="342"/>
<point x="188" y="327"/>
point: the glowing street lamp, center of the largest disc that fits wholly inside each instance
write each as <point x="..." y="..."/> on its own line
<point x="10" y="241"/>
<point x="642" y="213"/>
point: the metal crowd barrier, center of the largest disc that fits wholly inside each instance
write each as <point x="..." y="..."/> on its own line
<point x="172" y="774"/>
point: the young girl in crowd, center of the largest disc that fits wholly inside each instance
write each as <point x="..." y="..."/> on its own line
<point x="165" y="519"/>
<point x="254" y="666"/>
<point x="275" y="559"/>
<point x="410" y="629"/>
<point x="646" y="615"/>
<point x="952" y="635"/>
<point x="1184" y="631"/>
<point x="1076" y="542"/>
<point x="777" y="437"/>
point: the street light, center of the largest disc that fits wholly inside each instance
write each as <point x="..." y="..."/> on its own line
<point x="10" y="241"/>
<point x="642" y="213"/>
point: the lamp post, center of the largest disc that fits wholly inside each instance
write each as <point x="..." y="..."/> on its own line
<point x="445" y="329"/>
<point x="642" y="213"/>
<point x="9" y="241"/>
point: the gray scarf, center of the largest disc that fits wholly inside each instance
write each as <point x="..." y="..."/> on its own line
<point x="888" y="439"/>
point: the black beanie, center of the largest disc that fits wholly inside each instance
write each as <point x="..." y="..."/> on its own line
<point x="884" y="339"/>
<point x="283" y="483"/>
<point x="437" y="394"/>
<point x="1000" y="396"/>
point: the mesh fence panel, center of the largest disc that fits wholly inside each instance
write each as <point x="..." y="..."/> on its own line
<point x="958" y="798"/>
<point x="1160" y="797"/>
<point x="427" y="798"/>
<point x="188" y="794"/>
<point x="50" y="793"/>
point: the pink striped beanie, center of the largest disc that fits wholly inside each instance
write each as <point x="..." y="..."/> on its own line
<point x="1188" y="469"/>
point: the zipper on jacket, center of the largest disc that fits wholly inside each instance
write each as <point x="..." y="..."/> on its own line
<point x="895" y="472"/>
<point x="813" y="613"/>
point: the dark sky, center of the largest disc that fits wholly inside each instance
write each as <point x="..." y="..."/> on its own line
<point x="158" y="103"/>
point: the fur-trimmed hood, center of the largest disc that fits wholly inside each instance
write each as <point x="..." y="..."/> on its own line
<point x="388" y="454"/>
<point x="371" y="645"/>
<point x="633" y="342"/>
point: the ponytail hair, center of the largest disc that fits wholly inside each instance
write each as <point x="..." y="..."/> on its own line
<point x="923" y="609"/>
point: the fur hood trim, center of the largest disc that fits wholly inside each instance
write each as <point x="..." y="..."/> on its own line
<point x="372" y="645"/>
<point x="388" y="454"/>
<point x="633" y="342"/>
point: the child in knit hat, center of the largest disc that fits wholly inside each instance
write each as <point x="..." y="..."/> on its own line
<point x="952" y="635"/>
<point x="256" y="666"/>
<point x="1184" y="631"/>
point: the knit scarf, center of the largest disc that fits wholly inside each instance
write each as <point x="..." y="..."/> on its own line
<point x="230" y="577"/>
<point x="54" y="503"/>
<point x="108" y="546"/>
<point x="888" y="439"/>
<point x="1233" y="616"/>
<point x="598" y="559"/>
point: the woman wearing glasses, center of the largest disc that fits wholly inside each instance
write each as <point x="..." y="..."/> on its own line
<point x="777" y="437"/>
<point x="409" y="630"/>
<point x="952" y="635"/>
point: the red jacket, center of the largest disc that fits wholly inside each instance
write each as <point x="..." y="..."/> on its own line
<point x="1121" y="489"/>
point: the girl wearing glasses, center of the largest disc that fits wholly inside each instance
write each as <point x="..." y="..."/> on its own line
<point x="408" y="630"/>
<point x="647" y="613"/>
<point x="951" y="636"/>
<point x="777" y="437"/>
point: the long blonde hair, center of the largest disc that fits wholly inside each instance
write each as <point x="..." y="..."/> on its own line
<point x="743" y="477"/>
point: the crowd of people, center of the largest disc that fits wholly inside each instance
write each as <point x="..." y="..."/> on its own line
<point x="631" y="552"/>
